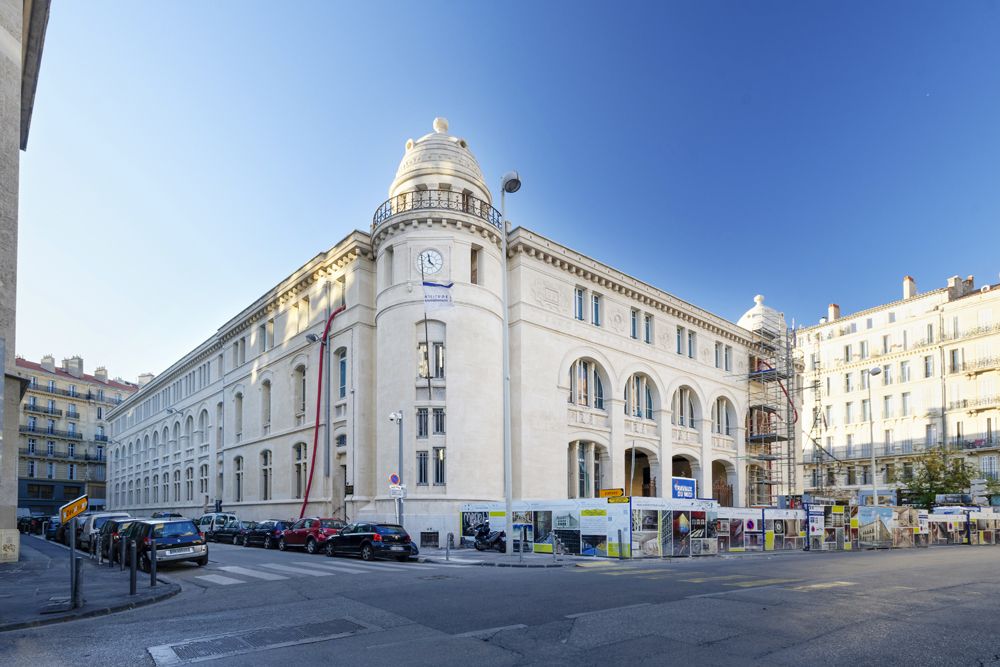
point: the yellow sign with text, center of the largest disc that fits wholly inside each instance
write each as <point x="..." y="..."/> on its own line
<point x="619" y="499"/>
<point x="72" y="509"/>
<point x="611" y="493"/>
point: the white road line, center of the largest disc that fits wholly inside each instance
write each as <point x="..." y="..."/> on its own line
<point x="257" y="574"/>
<point x="296" y="570"/>
<point x="379" y="565"/>
<point x="483" y="634"/>
<point x="334" y="566"/>
<point x="219" y="579"/>
<point x="602" y="611"/>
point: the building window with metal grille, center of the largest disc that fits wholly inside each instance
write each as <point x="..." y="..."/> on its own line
<point x="422" y="457"/>
<point x="439" y="466"/>
<point x="422" y="422"/>
<point x="439" y="425"/>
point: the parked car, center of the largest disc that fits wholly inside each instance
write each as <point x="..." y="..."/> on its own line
<point x="52" y="527"/>
<point x="31" y="524"/>
<point x="176" y="540"/>
<point x="111" y="533"/>
<point x="311" y="534"/>
<point x="62" y="534"/>
<point x="231" y="531"/>
<point x="167" y="515"/>
<point x="266" y="533"/>
<point x="93" y="525"/>
<point x="371" y="541"/>
<point x="211" y="522"/>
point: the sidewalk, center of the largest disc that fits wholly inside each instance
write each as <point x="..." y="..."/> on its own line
<point x="35" y="590"/>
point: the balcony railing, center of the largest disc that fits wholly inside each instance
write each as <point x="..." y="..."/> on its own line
<point x="100" y="438"/>
<point x="87" y="396"/>
<point x="436" y="199"/>
<point x="45" y="410"/>
<point x="975" y="404"/>
<point x="904" y="448"/>
<point x="72" y="414"/>
<point x="51" y="432"/>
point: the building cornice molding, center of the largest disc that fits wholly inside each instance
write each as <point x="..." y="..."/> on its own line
<point x="422" y="219"/>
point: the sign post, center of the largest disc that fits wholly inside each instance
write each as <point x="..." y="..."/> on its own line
<point x="68" y="513"/>
<point x="397" y="492"/>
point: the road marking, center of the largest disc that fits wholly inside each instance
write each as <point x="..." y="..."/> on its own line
<point x="758" y="583"/>
<point x="219" y="579"/>
<point x="602" y="611"/>
<point x="386" y="566"/>
<point x="296" y="570"/>
<point x="489" y="632"/>
<point x="596" y="563"/>
<point x="702" y="580"/>
<point x="822" y="586"/>
<point x="257" y="574"/>
<point x="340" y="568"/>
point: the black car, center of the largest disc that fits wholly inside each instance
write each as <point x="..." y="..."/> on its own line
<point x="166" y="515"/>
<point x="232" y="531"/>
<point x="371" y="541"/>
<point x="111" y="533"/>
<point x="266" y="533"/>
<point x="176" y="540"/>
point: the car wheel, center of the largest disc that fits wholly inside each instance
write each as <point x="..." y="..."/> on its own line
<point x="236" y="540"/>
<point x="267" y="543"/>
<point x="202" y="562"/>
<point x="328" y="549"/>
<point x="246" y="541"/>
<point x="310" y="546"/>
<point x="281" y="544"/>
<point x="367" y="552"/>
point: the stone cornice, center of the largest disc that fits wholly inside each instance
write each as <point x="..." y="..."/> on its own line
<point x="428" y="219"/>
<point x="583" y="268"/>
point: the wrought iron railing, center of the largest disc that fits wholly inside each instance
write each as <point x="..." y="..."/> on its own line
<point x="436" y="199"/>
<point x="29" y="407"/>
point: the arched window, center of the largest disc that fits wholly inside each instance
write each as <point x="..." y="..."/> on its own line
<point x="156" y="489"/>
<point x="723" y="416"/>
<point x="586" y="385"/>
<point x="130" y="460"/>
<point x="265" y="405"/>
<point x="238" y="477"/>
<point x="203" y="427"/>
<point x="189" y="432"/>
<point x="342" y="373"/>
<point x="177" y="439"/>
<point x="238" y="416"/>
<point x="177" y="486"/>
<point x="639" y="397"/>
<point x="145" y="490"/>
<point x="189" y="484"/>
<point x="299" y="389"/>
<point x="118" y="498"/>
<point x="130" y="493"/>
<point x="265" y="475"/>
<point x="203" y="479"/>
<point x="164" y="441"/>
<point x="166" y="487"/>
<point x="684" y="408"/>
<point x="145" y="448"/>
<point x="300" y="468"/>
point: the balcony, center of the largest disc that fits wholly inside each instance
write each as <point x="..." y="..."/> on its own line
<point x="447" y="200"/>
<point x="684" y="435"/>
<point x="31" y="407"/>
<point x="641" y="427"/>
<point x="975" y="404"/>
<point x="50" y="432"/>
<point x="725" y="442"/>
<point x="100" y="438"/>
<point x="578" y="415"/>
<point x="72" y="414"/>
<point x="981" y="365"/>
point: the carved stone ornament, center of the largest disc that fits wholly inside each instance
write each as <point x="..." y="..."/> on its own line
<point x="547" y="295"/>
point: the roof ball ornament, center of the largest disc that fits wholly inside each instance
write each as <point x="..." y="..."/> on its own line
<point x="759" y="299"/>
<point x="440" y="125"/>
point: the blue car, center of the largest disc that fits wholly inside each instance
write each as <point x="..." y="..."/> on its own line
<point x="51" y="527"/>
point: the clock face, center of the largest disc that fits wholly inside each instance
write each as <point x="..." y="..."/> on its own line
<point x="429" y="262"/>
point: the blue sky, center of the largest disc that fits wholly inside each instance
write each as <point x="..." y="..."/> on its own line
<point x="184" y="156"/>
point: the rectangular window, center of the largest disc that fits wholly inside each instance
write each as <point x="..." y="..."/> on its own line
<point x="50" y="448"/>
<point x="71" y="471"/>
<point x="904" y="371"/>
<point x="869" y="323"/>
<point x="261" y="338"/>
<point x="473" y="277"/>
<point x="886" y="344"/>
<point x="680" y="340"/>
<point x="728" y="358"/>
<point x="863" y="349"/>
<point x="718" y="355"/>
<point x="692" y="345"/>
<point x="439" y="466"/>
<point x="595" y="310"/>
<point x="634" y="322"/>
<point x="342" y="368"/>
<point x="886" y="407"/>
<point x="892" y="317"/>
<point x="954" y="360"/>
<point x="421" y="422"/>
<point x="847" y="354"/>
<point x="828" y="416"/>
<point x="928" y="366"/>
<point x="422" y="468"/>
<point x="813" y="362"/>
<point x="886" y="375"/>
<point x="848" y="382"/>
<point x="647" y="328"/>
<point x="864" y="378"/>
<point x="866" y="410"/>
<point x="578" y="304"/>
<point x="439" y="360"/>
<point x="270" y="334"/>
<point x="303" y="314"/>
<point x="849" y="413"/>
<point x="906" y="340"/>
<point x="31" y="468"/>
<point x="930" y="333"/>
<point x="905" y="405"/>
<point x="439" y="426"/>
<point x="50" y="470"/>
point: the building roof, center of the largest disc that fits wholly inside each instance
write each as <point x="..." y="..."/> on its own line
<point x="38" y="368"/>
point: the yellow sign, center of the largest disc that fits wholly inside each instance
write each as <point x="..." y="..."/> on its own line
<point x="611" y="493"/>
<point x="72" y="509"/>
<point x="619" y="499"/>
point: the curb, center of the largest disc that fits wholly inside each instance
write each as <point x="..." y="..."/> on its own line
<point x="496" y="564"/>
<point x="100" y="611"/>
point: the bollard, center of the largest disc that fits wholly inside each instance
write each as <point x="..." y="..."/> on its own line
<point x="520" y="549"/>
<point x="72" y="563"/>
<point x="152" y="562"/>
<point x="121" y="554"/>
<point x="100" y="554"/>
<point x="621" y="546"/>
<point x="76" y="600"/>
<point x="131" y="567"/>
<point x="111" y="553"/>
<point x="447" y="546"/>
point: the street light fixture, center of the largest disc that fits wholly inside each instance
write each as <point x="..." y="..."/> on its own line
<point x="872" y="372"/>
<point x="511" y="182"/>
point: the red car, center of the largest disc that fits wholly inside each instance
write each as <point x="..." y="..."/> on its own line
<point x="310" y="534"/>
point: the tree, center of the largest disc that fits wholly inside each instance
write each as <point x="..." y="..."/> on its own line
<point x="938" y="471"/>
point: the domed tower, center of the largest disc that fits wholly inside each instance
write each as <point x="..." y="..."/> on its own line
<point x="437" y="361"/>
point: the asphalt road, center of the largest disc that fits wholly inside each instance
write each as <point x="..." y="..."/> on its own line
<point x="250" y="606"/>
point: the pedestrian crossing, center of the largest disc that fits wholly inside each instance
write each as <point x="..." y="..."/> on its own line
<point x="231" y="575"/>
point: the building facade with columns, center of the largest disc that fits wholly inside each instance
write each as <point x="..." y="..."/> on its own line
<point x="605" y="370"/>
<point x="938" y="358"/>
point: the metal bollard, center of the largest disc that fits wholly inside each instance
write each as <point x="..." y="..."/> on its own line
<point x="520" y="548"/>
<point x="621" y="546"/>
<point x="131" y="568"/>
<point x="152" y="562"/>
<point x="447" y="546"/>
<point x="100" y="554"/>
<point x="121" y="554"/>
<point x="75" y="599"/>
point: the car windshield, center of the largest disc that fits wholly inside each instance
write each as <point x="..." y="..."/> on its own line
<point x="331" y="523"/>
<point x="265" y="524"/>
<point x="390" y="530"/>
<point x="175" y="529"/>
<point x="101" y="520"/>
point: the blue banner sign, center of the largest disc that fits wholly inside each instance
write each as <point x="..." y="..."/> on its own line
<point x="684" y="487"/>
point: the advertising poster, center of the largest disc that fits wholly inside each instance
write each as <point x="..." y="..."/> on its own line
<point x="619" y="519"/>
<point x="784" y="529"/>
<point x="681" y="530"/>
<point x="542" y="530"/>
<point x="875" y="526"/>
<point x="645" y="532"/>
<point x="593" y="531"/>
<point x="566" y="526"/>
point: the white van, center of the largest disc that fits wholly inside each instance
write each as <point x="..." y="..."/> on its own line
<point x="211" y="522"/>
<point x="93" y="525"/>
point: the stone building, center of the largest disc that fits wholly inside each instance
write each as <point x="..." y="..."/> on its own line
<point x="937" y="356"/>
<point x="63" y="433"/>
<point x="602" y="366"/>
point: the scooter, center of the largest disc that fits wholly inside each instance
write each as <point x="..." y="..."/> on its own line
<point x="487" y="539"/>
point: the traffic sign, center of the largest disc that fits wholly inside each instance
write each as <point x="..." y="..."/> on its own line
<point x="611" y="493"/>
<point x="619" y="499"/>
<point x="394" y="479"/>
<point x="73" y="508"/>
<point x="397" y="491"/>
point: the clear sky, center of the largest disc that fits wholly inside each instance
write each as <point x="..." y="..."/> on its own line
<point x="184" y="157"/>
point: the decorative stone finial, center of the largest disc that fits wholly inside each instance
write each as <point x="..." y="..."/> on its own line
<point x="440" y="125"/>
<point x="759" y="299"/>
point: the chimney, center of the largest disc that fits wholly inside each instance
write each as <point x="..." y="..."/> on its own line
<point x="101" y="373"/>
<point x="73" y="366"/>
<point x="909" y="287"/>
<point x="144" y="379"/>
<point x="832" y="312"/>
<point x="49" y="363"/>
<point x="969" y="285"/>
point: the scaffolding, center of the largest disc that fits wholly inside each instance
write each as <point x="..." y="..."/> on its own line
<point x="772" y="456"/>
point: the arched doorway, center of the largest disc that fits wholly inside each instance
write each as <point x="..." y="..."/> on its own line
<point x="642" y="480"/>
<point x="723" y="482"/>
<point x="687" y="465"/>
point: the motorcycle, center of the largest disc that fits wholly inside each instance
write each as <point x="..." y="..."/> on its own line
<point x="487" y="539"/>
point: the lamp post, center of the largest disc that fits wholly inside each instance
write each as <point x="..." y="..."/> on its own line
<point x="511" y="182"/>
<point x="397" y="418"/>
<point x="872" y="372"/>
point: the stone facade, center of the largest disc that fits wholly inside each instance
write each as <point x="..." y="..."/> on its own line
<point x="601" y="364"/>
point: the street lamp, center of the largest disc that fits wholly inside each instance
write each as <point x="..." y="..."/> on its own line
<point x="397" y="418"/>
<point x="872" y="372"/>
<point x="511" y="182"/>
